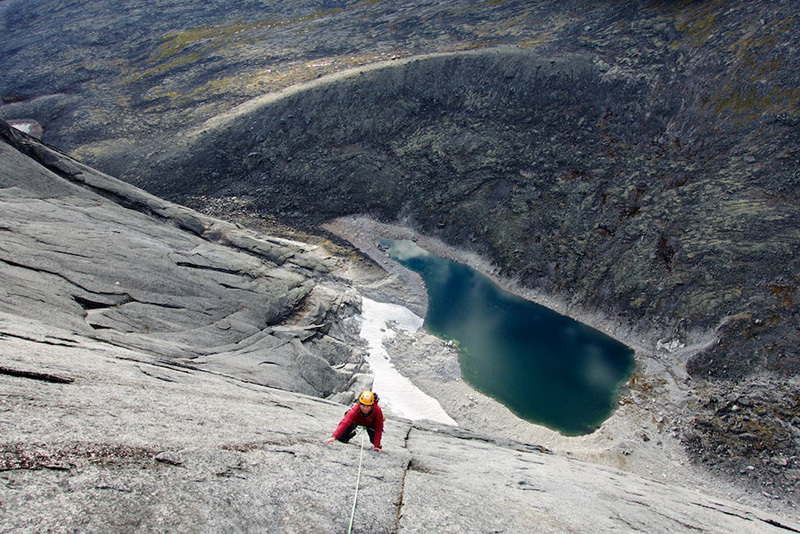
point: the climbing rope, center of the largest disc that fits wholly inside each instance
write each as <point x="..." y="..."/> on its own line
<point x="358" y="481"/>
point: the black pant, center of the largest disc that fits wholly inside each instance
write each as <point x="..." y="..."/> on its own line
<point x="351" y="431"/>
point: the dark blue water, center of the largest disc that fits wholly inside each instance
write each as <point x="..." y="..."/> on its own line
<point x="545" y="367"/>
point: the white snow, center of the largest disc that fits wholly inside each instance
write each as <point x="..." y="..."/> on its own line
<point x="23" y="127"/>
<point x="399" y="394"/>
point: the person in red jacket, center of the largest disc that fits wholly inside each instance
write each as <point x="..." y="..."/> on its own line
<point x="366" y="413"/>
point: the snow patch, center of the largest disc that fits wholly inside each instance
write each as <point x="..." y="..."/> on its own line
<point x="29" y="126"/>
<point x="23" y="127"/>
<point x="380" y="320"/>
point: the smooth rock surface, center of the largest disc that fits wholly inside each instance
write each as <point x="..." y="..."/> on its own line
<point x="163" y="279"/>
<point x="137" y="447"/>
<point x="648" y="186"/>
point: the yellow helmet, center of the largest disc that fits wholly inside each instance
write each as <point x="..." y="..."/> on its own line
<point x="367" y="398"/>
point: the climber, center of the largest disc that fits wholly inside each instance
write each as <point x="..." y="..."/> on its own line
<point x="366" y="413"/>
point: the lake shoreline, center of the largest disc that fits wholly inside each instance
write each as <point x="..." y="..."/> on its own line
<point x="641" y="436"/>
<point x="546" y="367"/>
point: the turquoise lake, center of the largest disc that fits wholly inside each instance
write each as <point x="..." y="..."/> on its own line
<point x="545" y="367"/>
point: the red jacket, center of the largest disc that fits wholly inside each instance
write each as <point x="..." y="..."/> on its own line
<point x="354" y="416"/>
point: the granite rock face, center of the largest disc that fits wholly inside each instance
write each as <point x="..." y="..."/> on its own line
<point x="171" y="283"/>
<point x="131" y="446"/>
<point x="563" y="174"/>
<point x="551" y="168"/>
<point x="629" y="160"/>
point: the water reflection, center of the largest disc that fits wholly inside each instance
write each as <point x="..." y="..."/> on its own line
<point x="545" y="367"/>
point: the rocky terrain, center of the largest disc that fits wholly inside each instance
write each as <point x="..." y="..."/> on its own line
<point x="125" y="409"/>
<point x="221" y="306"/>
<point x="634" y="167"/>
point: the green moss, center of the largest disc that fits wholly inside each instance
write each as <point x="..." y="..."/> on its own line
<point x="530" y="43"/>
<point x="785" y="293"/>
<point x="698" y="21"/>
<point x="165" y="67"/>
<point x="175" y="42"/>
<point x="753" y="82"/>
<point x="182" y="47"/>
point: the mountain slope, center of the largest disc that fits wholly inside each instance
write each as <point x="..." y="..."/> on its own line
<point x="166" y="281"/>
<point x="633" y="165"/>
<point x="107" y="429"/>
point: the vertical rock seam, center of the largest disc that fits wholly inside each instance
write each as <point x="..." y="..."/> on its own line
<point x="403" y="484"/>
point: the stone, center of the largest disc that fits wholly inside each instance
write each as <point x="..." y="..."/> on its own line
<point x="586" y="162"/>
<point x="143" y="437"/>
<point x="223" y="297"/>
<point x="169" y="457"/>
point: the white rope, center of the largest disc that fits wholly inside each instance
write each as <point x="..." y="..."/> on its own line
<point x="358" y="481"/>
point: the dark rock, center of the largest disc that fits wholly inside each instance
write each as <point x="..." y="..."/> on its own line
<point x="169" y="457"/>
